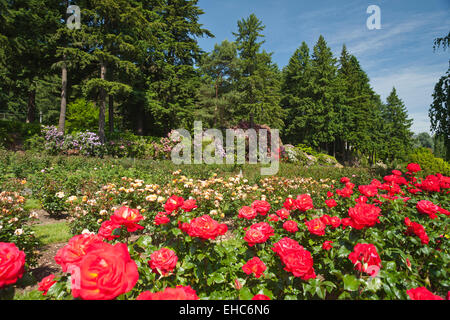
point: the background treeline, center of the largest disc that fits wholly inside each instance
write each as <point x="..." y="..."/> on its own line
<point x="136" y="66"/>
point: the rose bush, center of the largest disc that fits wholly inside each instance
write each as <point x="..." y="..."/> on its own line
<point x="219" y="239"/>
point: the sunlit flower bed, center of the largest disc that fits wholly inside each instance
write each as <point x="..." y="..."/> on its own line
<point x="278" y="239"/>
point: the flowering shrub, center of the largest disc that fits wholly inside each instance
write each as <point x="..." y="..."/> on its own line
<point x="372" y="244"/>
<point x="13" y="225"/>
<point x="83" y="143"/>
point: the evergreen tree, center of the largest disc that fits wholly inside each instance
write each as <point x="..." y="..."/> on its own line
<point x="171" y="77"/>
<point x="259" y="81"/>
<point x="297" y="99"/>
<point x="439" y="111"/>
<point x="323" y="120"/>
<point x="398" y="135"/>
<point x="217" y="94"/>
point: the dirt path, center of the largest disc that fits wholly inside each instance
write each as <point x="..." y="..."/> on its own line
<point x="46" y="264"/>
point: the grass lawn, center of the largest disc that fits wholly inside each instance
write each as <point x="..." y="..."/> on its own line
<point x="53" y="233"/>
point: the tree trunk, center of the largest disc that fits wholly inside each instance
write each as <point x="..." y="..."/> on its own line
<point x="31" y="112"/>
<point x="102" y="106"/>
<point x="62" y="112"/>
<point x="111" y="114"/>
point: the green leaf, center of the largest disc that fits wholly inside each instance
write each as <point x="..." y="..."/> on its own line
<point x="245" y="294"/>
<point x="350" y="282"/>
<point x="321" y="292"/>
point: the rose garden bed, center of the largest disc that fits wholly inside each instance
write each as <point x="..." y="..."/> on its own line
<point x="225" y="238"/>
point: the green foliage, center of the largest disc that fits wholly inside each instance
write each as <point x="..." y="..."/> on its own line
<point x="428" y="162"/>
<point x="423" y="140"/>
<point x="81" y="115"/>
<point x="14" y="225"/>
<point x="15" y="132"/>
<point x="440" y="108"/>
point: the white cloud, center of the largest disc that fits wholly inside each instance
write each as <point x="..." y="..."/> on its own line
<point x="414" y="86"/>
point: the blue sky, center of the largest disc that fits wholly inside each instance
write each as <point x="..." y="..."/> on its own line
<point x="399" y="54"/>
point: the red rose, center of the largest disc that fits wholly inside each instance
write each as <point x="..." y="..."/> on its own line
<point x="335" y="222"/>
<point x="300" y="263"/>
<point x="184" y="226"/>
<point x="283" y="213"/>
<point x="344" y="180"/>
<point x="12" y="264"/>
<point x="46" y="283"/>
<point x="326" y="219"/>
<point x="286" y="245"/>
<point x="128" y="218"/>
<point x="417" y="229"/>
<point x="173" y="203"/>
<point x="255" y="266"/>
<point x="273" y="217"/>
<point x="289" y="204"/>
<point x="350" y="185"/>
<point x="76" y="249"/>
<point x="107" y="230"/>
<point x="422" y="293"/>
<point x="161" y="218"/>
<point x="163" y="261"/>
<point x="327" y="245"/>
<point x="375" y="183"/>
<point x="260" y="297"/>
<point x="443" y="211"/>
<point x="290" y="226"/>
<point x="346" y="222"/>
<point x="316" y="226"/>
<point x="177" y="293"/>
<point x="247" y="212"/>
<point x="331" y="203"/>
<point x="205" y="227"/>
<point x="365" y="258"/>
<point x="368" y="190"/>
<point x="364" y="215"/>
<point x="329" y="194"/>
<point x="414" y="191"/>
<point x="413" y="167"/>
<point x="261" y="207"/>
<point x="304" y="202"/>
<point x="104" y="273"/>
<point x="361" y="199"/>
<point x="189" y="205"/>
<point x="396" y="172"/>
<point x="427" y="207"/>
<point x="430" y="184"/>
<point x="258" y="233"/>
<point x="345" y="192"/>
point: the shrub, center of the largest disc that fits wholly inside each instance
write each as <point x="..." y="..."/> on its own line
<point x="15" y="132"/>
<point x="428" y="162"/>
<point x="81" y="115"/>
<point x="14" y="226"/>
<point x="35" y="143"/>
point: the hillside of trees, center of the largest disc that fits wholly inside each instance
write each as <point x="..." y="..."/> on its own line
<point x="136" y="66"/>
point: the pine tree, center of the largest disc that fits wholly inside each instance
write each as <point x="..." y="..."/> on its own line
<point x="27" y="27"/>
<point x="260" y="80"/>
<point x="296" y="90"/>
<point x="359" y="110"/>
<point x="398" y="133"/>
<point x="322" y="116"/>
<point x="217" y="93"/>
